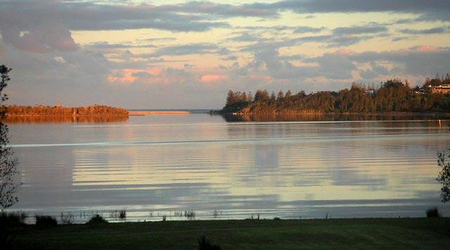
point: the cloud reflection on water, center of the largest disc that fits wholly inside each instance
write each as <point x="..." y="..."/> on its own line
<point x="308" y="169"/>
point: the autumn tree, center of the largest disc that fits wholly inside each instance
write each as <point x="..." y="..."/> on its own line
<point x="280" y="95"/>
<point x="262" y="96"/>
<point x="8" y="163"/>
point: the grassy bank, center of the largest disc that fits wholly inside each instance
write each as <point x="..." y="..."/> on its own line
<point x="244" y="234"/>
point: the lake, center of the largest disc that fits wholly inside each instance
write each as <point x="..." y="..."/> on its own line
<point x="155" y="166"/>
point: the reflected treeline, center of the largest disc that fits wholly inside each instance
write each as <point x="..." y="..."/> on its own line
<point x="276" y="117"/>
<point x="65" y="119"/>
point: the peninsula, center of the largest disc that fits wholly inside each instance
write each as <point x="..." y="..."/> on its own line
<point x="390" y="96"/>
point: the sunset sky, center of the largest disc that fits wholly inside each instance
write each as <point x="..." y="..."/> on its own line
<point x="188" y="54"/>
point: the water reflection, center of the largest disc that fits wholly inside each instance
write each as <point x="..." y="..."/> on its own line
<point x="278" y="117"/>
<point x="201" y="163"/>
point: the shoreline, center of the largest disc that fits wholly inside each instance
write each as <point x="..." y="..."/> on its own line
<point x="300" y="113"/>
<point x="156" y="112"/>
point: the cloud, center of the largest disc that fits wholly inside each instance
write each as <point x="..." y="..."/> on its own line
<point x="189" y="66"/>
<point x="330" y="41"/>
<point x="212" y="78"/>
<point x="372" y="28"/>
<point x="246" y="37"/>
<point x="141" y="74"/>
<point x="397" y="39"/>
<point x="223" y="10"/>
<point x="267" y="60"/>
<point x="441" y="15"/>
<point x="107" y="45"/>
<point x="307" y="29"/>
<point x="428" y="10"/>
<point x="159" y="39"/>
<point x="335" y="66"/>
<point x="189" y="49"/>
<point x="230" y="58"/>
<point x="270" y="56"/>
<point x="419" y="60"/>
<point x="45" y="26"/>
<point x="344" y="41"/>
<point x="349" y="6"/>
<point x="375" y="71"/>
<point x="72" y="78"/>
<point x="266" y="28"/>
<point x="37" y="38"/>
<point x="437" y="30"/>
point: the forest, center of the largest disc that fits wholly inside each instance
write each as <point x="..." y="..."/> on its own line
<point x="391" y="96"/>
<point x="94" y="110"/>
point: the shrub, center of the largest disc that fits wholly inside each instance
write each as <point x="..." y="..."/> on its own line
<point x="123" y="214"/>
<point x="45" y="220"/>
<point x="97" y="220"/>
<point x="204" y="243"/>
<point x="13" y="219"/>
<point x="67" y="219"/>
<point x="190" y="215"/>
<point x="7" y="222"/>
<point x="216" y="213"/>
<point x="433" y="212"/>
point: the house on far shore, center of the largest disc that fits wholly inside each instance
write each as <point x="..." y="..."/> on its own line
<point x="441" y="89"/>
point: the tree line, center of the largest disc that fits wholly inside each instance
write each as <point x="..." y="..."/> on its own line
<point x="391" y="96"/>
<point x="94" y="110"/>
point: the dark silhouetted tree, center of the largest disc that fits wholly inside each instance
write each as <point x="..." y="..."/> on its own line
<point x="444" y="176"/>
<point x="8" y="163"/>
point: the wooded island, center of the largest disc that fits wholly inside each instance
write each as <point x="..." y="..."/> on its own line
<point x="58" y="114"/>
<point x="94" y="110"/>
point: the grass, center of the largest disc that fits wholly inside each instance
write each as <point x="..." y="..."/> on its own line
<point x="420" y="233"/>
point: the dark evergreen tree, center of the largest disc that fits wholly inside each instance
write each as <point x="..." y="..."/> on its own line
<point x="8" y="163"/>
<point x="444" y="176"/>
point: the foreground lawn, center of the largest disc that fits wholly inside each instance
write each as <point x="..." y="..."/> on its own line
<point x="244" y="234"/>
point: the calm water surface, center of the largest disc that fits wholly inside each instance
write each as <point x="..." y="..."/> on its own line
<point x="161" y="165"/>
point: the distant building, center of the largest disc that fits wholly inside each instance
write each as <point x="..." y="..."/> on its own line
<point x="441" y="89"/>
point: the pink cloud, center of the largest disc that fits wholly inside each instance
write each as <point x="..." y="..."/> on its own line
<point x="213" y="78"/>
<point x="345" y="52"/>
<point x="427" y="48"/>
<point x="161" y="77"/>
<point x="122" y="76"/>
<point x="155" y="71"/>
<point x="261" y="77"/>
